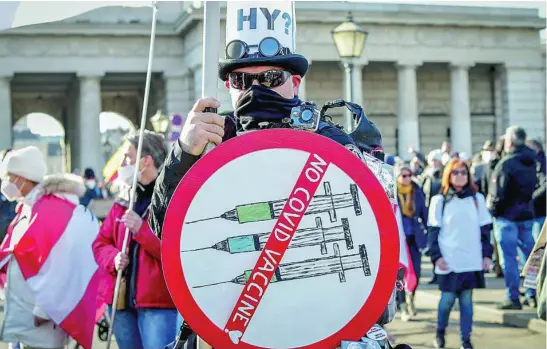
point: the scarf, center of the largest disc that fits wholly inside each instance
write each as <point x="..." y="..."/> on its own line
<point x="262" y="105"/>
<point x="144" y="197"/>
<point x="406" y="196"/>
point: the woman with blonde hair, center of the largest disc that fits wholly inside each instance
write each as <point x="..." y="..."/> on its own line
<point x="459" y="244"/>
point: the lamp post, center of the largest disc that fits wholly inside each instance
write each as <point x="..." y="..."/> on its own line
<point x="160" y="122"/>
<point x="349" y="39"/>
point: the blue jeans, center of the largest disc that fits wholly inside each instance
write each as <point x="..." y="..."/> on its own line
<point x="446" y="303"/>
<point x="144" y="328"/>
<point x="536" y="227"/>
<point x="512" y="236"/>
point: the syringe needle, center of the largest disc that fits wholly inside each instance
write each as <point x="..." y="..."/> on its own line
<point x="202" y="220"/>
<point x="213" y="284"/>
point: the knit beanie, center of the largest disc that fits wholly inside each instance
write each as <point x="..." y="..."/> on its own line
<point x="27" y="162"/>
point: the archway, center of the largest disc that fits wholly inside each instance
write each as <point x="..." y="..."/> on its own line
<point x="114" y="127"/>
<point x="47" y="134"/>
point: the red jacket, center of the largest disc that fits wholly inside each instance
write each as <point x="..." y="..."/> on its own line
<point x="151" y="290"/>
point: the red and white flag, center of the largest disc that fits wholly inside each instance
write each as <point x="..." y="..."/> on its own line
<point x="57" y="261"/>
<point x="411" y="281"/>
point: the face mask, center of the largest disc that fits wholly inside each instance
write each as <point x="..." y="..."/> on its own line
<point x="10" y="191"/>
<point x="125" y="175"/>
<point x="264" y="104"/>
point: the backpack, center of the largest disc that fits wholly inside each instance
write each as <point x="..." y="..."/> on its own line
<point x="474" y="200"/>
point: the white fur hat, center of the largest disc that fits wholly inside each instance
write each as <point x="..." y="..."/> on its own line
<point x="26" y="162"/>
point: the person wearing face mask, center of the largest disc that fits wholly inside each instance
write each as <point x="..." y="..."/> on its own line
<point x="145" y="313"/>
<point x="262" y="73"/>
<point x="92" y="188"/>
<point x="24" y="180"/>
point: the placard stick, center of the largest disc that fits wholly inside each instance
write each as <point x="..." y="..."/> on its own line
<point x="139" y="150"/>
<point x="209" y="81"/>
<point x="211" y="43"/>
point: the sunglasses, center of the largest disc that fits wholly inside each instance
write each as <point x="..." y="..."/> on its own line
<point x="269" y="79"/>
<point x="405" y="176"/>
<point x="459" y="172"/>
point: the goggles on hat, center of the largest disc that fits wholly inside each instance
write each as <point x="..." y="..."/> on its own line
<point x="270" y="79"/>
<point x="268" y="47"/>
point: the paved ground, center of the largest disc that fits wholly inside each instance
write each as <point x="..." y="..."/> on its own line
<point x="489" y="331"/>
<point x="491" y="327"/>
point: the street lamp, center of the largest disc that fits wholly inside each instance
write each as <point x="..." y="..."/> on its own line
<point x="349" y="39"/>
<point x="160" y="122"/>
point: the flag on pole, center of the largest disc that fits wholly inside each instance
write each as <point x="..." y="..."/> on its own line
<point x="15" y="14"/>
<point x="57" y="262"/>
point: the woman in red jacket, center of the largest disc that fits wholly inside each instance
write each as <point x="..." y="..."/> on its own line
<point x="145" y="315"/>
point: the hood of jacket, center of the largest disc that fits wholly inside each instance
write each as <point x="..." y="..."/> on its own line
<point x="523" y="155"/>
<point x="67" y="186"/>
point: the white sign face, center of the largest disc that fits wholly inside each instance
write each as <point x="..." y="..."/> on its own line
<point x="249" y="22"/>
<point x="305" y="300"/>
<point x="280" y="239"/>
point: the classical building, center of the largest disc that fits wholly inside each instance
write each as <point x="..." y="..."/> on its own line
<point x="428" y="73"/>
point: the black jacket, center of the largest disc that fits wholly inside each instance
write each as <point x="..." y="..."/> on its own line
<point x="486" y="176"/>
<point x="431" y="184"/>
<point x="512" y="185"/>
<point x="178" y="163"/>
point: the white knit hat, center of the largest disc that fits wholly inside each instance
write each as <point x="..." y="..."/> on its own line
<point x="26" y="162"/>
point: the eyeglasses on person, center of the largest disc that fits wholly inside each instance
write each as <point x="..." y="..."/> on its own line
<point x="270" y="79"/>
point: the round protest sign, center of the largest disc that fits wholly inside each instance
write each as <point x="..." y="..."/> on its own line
<point x="280" y="239"/>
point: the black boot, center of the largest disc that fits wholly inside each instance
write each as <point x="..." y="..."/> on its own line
<point x="439" y="341"/>
<point x="509" y="305"/>
<point x="466" y="345"/>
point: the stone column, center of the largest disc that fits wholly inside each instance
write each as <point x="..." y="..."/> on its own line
<point x="89" y="133"/>
<point x="353" y="90"/>
<point x="178" y="93"/>
<point x="460" y="122"/>
<point x="6" y="140"/>
<point x="408" y="123"/>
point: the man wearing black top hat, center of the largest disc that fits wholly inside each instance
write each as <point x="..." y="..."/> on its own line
<point x="263" y="74"/>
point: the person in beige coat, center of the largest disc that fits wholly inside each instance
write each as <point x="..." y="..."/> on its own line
<point x="24" y="180"/>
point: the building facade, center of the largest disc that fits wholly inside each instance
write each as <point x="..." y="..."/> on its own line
<point x="428" y="73"/>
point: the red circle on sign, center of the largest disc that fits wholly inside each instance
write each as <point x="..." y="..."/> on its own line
<point x="309" y="142"/>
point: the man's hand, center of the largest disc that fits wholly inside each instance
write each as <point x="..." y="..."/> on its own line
<point x="486" y="264"/>
<point x="38" y="321"/>
<point x="201" y="128"/>
<point x="132" y="221"/>
<point x="121" y="261"/>
<point x="441" y="263"/>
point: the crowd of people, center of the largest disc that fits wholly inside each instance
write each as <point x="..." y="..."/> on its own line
<point x="458" y="211"/>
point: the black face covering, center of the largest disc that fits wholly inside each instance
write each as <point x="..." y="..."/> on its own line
<point x="260" y="104"/>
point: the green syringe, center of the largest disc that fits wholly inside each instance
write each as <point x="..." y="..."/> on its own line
<point x="262" y="211"/>
<point x="312" y="268"/>
<point x="302" y="238"/>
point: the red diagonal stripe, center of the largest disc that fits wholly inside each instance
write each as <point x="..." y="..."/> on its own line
<point x="274" y="250"/>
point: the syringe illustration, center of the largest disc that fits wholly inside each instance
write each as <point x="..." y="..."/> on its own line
<point x="312" y="268"/>
<point x="262" y="211"/>
<point x="302" y="238"/>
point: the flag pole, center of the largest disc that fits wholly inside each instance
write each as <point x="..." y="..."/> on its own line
<point x="209" y="81"/>
<point x="139" y="151"/>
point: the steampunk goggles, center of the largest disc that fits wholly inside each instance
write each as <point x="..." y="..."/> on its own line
<point x="267" y="47"/>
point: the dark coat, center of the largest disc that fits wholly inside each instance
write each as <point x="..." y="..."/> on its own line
<point x="416" y="226"/>
<point x="513" y="184"/>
